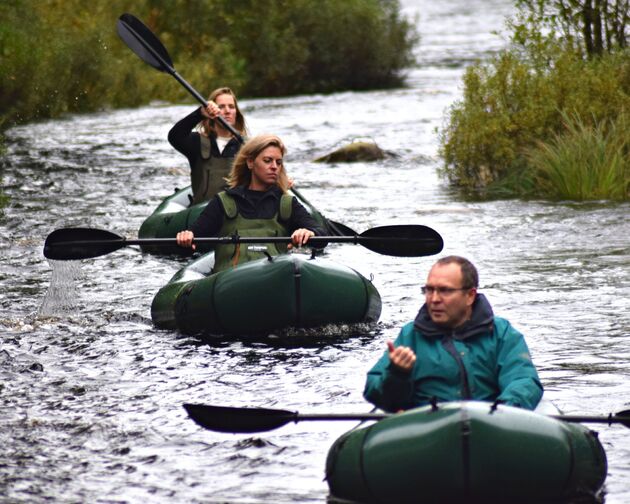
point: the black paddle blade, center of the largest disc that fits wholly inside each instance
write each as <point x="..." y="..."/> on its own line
<point x="144" y="43"/>
<point x="622" y="417"/>
<point x="69" y="244"/>
<point x="238" y="420"/>
<point x="402" y="241"/>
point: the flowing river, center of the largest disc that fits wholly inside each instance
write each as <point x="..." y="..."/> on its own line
<point x="91" y="393"/>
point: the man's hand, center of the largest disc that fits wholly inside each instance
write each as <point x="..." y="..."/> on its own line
<point x="402" y="357"/>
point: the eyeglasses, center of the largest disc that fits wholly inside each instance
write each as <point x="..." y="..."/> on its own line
<point x="442" y="291"/>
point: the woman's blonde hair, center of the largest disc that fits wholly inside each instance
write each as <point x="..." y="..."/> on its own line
<point x="242" y="175"/>
<point x="207" y="126"/>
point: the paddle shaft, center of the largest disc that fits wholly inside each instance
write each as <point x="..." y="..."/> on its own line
<point x="622" y="418"/>
<point x="226" y="240"/>
<point x="337" y="228"/>
<point x="610" y="419"/>
<point x="335" y="416"/>
<point x="300" y="417"/>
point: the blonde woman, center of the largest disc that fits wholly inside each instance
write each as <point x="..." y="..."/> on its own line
<point x="255" y="204"/>
<point x="210" y="149"/>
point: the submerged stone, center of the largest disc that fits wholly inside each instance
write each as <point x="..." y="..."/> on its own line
<point x="355" y="151"/>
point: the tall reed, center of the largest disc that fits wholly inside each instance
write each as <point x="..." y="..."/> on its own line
<point x="586" y="161"/>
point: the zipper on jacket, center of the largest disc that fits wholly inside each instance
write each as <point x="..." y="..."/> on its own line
<point x="448" y="344"/>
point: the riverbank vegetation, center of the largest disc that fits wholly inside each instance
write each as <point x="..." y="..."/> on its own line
<point x="65" y="56"/>
<point x="59" y="57"/>
<point x="547" y="117"/>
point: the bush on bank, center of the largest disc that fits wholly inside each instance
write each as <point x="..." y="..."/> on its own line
<point x="520" y="102"/>
<point x="510" y="106"/>
<point x="65" y="56"/>
<point x="302" y="46"/>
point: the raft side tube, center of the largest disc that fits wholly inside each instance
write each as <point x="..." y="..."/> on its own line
<point x="335" y="294"/>
<point x="163" y="304"/>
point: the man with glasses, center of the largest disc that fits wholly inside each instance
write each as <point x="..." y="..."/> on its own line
<point x="456" y="349"/>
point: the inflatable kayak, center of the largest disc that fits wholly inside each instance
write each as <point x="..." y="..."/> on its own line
<point x="290" y="290"/>
<point x="465" y="452"/>
<point x="176" y="213"/>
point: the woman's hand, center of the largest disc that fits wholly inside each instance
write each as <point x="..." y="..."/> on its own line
<point x="211" y="111"/>
<point x="300" y="237"/>
<point x="185" y="239"/>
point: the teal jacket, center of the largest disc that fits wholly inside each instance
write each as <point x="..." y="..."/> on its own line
<point x="485" y="359"/>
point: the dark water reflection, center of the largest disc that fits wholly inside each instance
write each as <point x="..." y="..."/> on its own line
<point x="91" y="393"/>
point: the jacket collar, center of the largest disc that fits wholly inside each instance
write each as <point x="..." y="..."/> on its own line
<point x="241" y="192"/>
<point x="481" y="320"/>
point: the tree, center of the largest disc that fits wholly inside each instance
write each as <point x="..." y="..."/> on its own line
<point x="590" y="26"/>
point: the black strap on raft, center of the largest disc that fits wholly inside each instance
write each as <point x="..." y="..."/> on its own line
<point x="495" y="405"/>
<point x="433" y="402"/>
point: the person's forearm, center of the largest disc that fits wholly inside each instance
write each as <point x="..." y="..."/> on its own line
<point x="179" y="134"/>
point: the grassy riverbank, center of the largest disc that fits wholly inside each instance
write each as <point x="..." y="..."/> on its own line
<point x="548" y="117"/>
<point x="60" y="57"/>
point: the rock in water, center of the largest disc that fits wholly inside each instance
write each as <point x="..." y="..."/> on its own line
<point x="356" y="151"/>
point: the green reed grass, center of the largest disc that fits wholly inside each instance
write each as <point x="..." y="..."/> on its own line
<point x="587" y="161"/>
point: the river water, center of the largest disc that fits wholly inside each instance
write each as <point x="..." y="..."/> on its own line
<point x="92" y="394"/>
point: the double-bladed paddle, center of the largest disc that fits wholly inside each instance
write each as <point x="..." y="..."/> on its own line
<point x="248" y="420"/>
<point x="142" y="41"/>
<point x="149" y="49"/>
<point x="412" y="240"/>
<point x="335" y="228"/>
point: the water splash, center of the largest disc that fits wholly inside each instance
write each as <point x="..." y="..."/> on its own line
<point x="63" y="294"/>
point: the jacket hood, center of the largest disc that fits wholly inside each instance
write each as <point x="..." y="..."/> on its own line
<point x="481" y="320"/>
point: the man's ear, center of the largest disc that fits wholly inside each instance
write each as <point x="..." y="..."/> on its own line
<point x="471" y="295"/>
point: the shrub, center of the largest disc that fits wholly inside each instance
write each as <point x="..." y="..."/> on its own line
<point x="58" y="57"/>
<point x="512" y="103"/>
<point x="301" y="46"/>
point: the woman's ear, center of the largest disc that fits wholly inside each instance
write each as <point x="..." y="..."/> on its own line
<point x="250" y="163"/>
